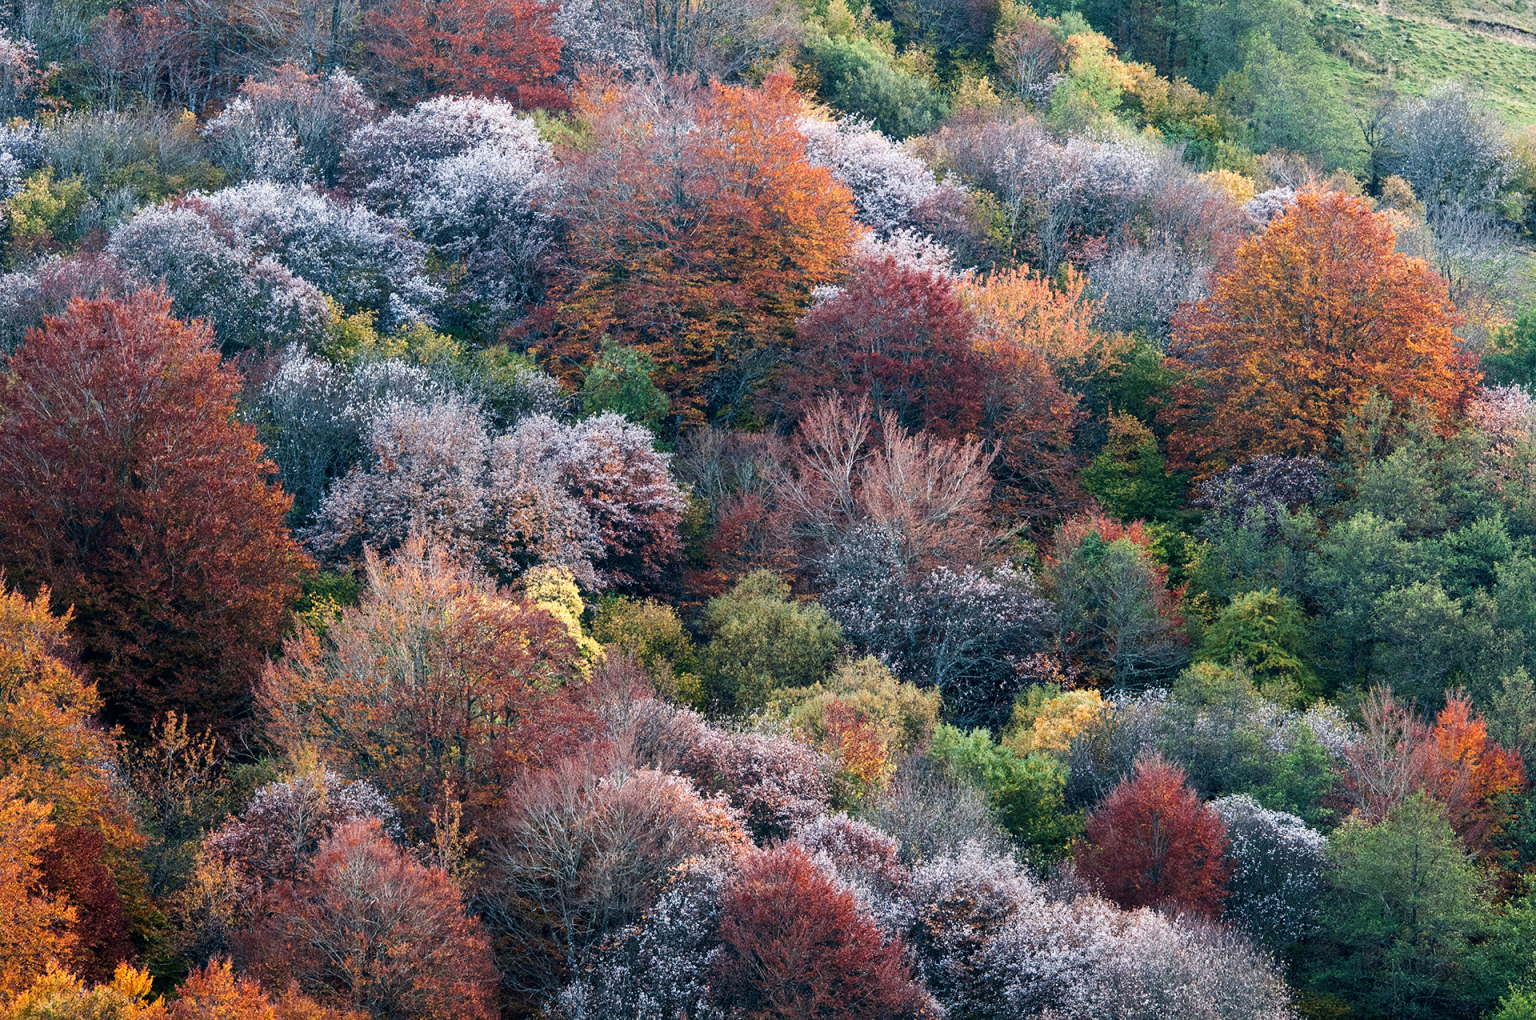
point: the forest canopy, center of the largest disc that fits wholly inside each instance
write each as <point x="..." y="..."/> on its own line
<point x="724" y="509"/>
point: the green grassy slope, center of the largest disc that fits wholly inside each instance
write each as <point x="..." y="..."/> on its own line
<point x="1415" y="44"/>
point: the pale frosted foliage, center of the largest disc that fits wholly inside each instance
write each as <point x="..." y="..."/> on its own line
<point x="887" y="181"/>
<point x="1330" y="728"/>
<point x="361" y="259"/>
<point x="1267" y="205"/>
<point x="311" y="415"/>
<point x="426" y="476"/>
<point x="661" y="967"/>
<point x="12" y="175"/>
<point x="289" y="129"/>
<point x="867" y="862"/>
<point x="300" y="414"/>
<point x="26" y="144"/>
<point x="964" y="631"/>
<point x="537" y="519"/>
<point x="481" y="209"/>
<point x="1140" y="289"/>
<point x="1277" y="871"/>
<point x="593" y="39"/>
<point x="20" y="294"/>
<point x="1449" y="145"/>
<point x="909" y="249"/>
<point x="1058" y="192"/>
<point x="374" y="384"/>
<point x="776" y="782"/>
<point x="258" y="151"/>
<point x="593" y="498"/>
<point x="611" y="468"/>
<point x="1506" y="414"/>
<point x="993" y="940"/>
<point x="583" y="851"/>
<point x="282" y="828"/>
<point x="389" y="161"/>
<point x="930" y="812"/>
<point x="254" y="260"/>
<point x="249" y="299"/>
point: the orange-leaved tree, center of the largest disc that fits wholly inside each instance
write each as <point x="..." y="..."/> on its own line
<point x="502" y="49"/>
<point x="1315" y="315"/>
<point x="434" y="679"/>
<point x="128" y="488"/>
<point x="1454" y="761"/>
<point x="1033" y="341"/>
<point x="1151" y="843"/>
<point x="36" y="928"/>
<point x="698" y="230"/>
<point x="51" y="747"/>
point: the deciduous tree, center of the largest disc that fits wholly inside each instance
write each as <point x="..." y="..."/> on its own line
<point x="36" y="927"/>
<point x="369" y="928"/>
<point x="584" y="848"/>
<point x="494" y="48"/>
<point x="1151" y="843"/>
<point x="698" y="230"/>
<point x="128" y="488"/>
<point x="1316" y="315"/>
<point x="797" y="945"/>
<point x="898" y="336"/>
<point x="434" y="678"/>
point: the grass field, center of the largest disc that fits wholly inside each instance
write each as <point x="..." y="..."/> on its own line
<point x="1417" y="44"/>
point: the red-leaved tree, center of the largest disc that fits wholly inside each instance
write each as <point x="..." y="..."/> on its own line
<point x="128" y="488"/>
<point x="502" y="49"/>
<point x="371" y="929"/>
<point x="1454" y="761"/>
<point x="72" y="869"/>
<point x="1151" y="843"/>
<point x="899" y="336"/>
<point x="797" y="945"/>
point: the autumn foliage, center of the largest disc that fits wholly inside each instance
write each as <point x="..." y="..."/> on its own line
<point x="798" y="946"/>
<point x="370" y="929"/>
<point x="128" y="489"/>
<point x="1151" y="843"/>
<point x="1030" y="337"/>
<point x="697" y="236"/>
<point x="494" y="48"/>
<point x="434" y="679"/>
<point x="49" y="740"/>
<point x="36" y="926"/>
<point x="899" y="336"/>
<point x="1454" y="760"/>
<point x="1317" y="314"/>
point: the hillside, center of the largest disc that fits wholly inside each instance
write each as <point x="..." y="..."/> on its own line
<point x="734" y="510"/>
<point x="1413" y="46"/>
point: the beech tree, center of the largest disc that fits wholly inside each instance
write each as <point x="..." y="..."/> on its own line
<point x="433" y="679"/>
<point x="1317" y="314"/>
<point x="494" y="48"/>
<point x="369" y="928"/>
<point x="1151" y="843"/>
<point x="898" y="336"/>
<point x="697" y="231"/>
<point x="36" y="926"/>
<point x="797" y="945"/>
<point x="127" y="487"/>
<point x="582" y="849"/>
<point x="1454" y="761"/>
